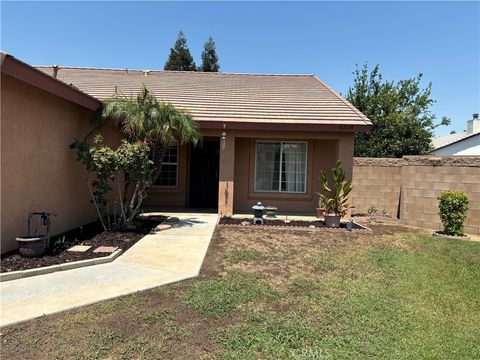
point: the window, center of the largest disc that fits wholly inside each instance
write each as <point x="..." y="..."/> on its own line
<point x="169" y="169"/>
<point x="280" y="166"/>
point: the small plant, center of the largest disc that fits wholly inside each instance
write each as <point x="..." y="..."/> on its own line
<point x="453" y="206"/>
<point x="372" y="210"/>
<point x="334" y="198"/>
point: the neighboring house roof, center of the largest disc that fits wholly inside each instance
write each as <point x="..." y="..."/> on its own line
<point x="448" y="140"/>
<point x="443" y="140"/>
<point x="28" y="74"/>
<point x="241" y="101"/>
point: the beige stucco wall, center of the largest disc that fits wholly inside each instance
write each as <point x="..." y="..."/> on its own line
<point x="376" y="183"/>
<point x="237" y="168"/>
<point x="321" y="155"/>
<point x="38" y="170"/>
<point x="323" y="150"/>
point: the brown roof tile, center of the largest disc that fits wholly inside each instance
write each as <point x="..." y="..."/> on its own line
<point x="222" y="97"/>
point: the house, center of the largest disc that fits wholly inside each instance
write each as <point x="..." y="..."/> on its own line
<point x="40" y="116"/>
<point x="265" y="137"/>
<point x="459" y="144"/>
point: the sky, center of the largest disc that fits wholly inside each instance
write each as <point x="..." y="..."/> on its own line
<point x="439" y="39"/>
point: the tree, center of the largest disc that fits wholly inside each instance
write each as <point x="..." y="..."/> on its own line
<point x="403" y="122"/>
<point x="149" y="127"/>
<point x="180" y="58"/>
<point x="209" y="57"/>
<point x="105" y="165"/>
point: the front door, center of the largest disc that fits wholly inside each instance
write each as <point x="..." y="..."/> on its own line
<point x="204" y="166"/>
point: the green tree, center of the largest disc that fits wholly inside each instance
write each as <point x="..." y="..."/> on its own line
<point x="180" y="58"/>
<point x="209" y="57"/>
<point x="105" y="165"/>
<point x="403" y="122"/>
<point x="149" y="127"/>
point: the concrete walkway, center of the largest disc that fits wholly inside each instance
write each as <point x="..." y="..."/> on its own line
<point x="157" y="259"/>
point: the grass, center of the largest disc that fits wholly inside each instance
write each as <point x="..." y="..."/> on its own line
<point x="222" y="296"/>
<point x="238" y="255"/>
<point x="276" y="294"/>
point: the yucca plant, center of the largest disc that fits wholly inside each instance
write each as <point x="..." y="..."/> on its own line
<point x="334" y="197"/>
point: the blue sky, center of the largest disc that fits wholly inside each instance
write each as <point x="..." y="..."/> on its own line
<point x="439" y="39"/>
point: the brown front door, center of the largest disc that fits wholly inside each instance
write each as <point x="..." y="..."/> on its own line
<point x="204" y="167"/>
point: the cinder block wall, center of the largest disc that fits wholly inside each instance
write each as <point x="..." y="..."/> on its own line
<point x="424" y="179"/>
<point x="413" y="184"/>
<point x="376" y="182"/>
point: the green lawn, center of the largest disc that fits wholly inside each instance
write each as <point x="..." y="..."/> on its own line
<point x="277" y="294"/>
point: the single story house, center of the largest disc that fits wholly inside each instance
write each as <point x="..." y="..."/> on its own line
<point x="265" y="138"/>
<point x="465" y="143"/>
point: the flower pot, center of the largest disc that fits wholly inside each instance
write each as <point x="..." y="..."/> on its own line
<point x="320" y="212"/>
<point x="332" y="220"/>
<point x="32" y="246"/>
<point x="271" y="212"/>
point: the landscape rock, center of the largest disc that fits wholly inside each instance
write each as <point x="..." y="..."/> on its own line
<point x="162" y="227"/>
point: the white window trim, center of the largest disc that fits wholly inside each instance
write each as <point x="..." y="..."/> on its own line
<point x="280" y="170"/>
<point x="176" y="173"/>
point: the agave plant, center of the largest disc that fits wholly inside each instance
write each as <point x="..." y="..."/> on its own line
<point x="334" y="197"/>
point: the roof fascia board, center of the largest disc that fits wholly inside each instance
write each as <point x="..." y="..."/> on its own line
<point x="347" y="128"/>
<point x="24" y="72"/>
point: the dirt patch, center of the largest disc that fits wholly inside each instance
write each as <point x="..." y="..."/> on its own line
<point x="157" y="323"/>
<point x="286" y="254"/>
<point x="91" y="234"/>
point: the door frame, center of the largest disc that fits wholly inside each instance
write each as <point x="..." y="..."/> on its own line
<point x="189" y="164"/>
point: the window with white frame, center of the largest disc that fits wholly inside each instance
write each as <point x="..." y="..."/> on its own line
<point x="169" y="169"/>
<point x="280" y="166"/>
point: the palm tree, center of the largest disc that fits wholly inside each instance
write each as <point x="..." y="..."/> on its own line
<point x="157" y="123"/>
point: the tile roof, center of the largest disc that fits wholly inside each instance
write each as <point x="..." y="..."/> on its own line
<point x="223" y="97"/>
<point x="26" y="73"/>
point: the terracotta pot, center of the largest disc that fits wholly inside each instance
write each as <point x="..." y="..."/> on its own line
<point x="332" y="220"/>
<point x="32" y="246"/>
<point x="320" y="212"/>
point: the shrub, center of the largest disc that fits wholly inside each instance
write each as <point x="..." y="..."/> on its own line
<point x="453" y="206"/>
<point x="130" y="162"/>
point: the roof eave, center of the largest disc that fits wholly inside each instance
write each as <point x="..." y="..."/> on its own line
<point x="456" y="141"/>
<point x="258" y="126"/>
<point x="28" y="74"/>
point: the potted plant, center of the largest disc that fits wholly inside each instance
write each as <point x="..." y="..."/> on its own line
<point x="334" y="197"/>
<point x="321" y="206"/>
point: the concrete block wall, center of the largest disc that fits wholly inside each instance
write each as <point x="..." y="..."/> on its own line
<point x="376" y="182"/>
<point x="425" y="178"/>
<point x="413" y="184"/>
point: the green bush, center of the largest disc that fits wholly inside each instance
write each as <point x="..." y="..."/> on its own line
<point x="453" y="208"/>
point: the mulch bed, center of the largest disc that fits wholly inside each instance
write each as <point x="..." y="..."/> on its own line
<point x="317" y="224"/>
<point x="91" y="234"/>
